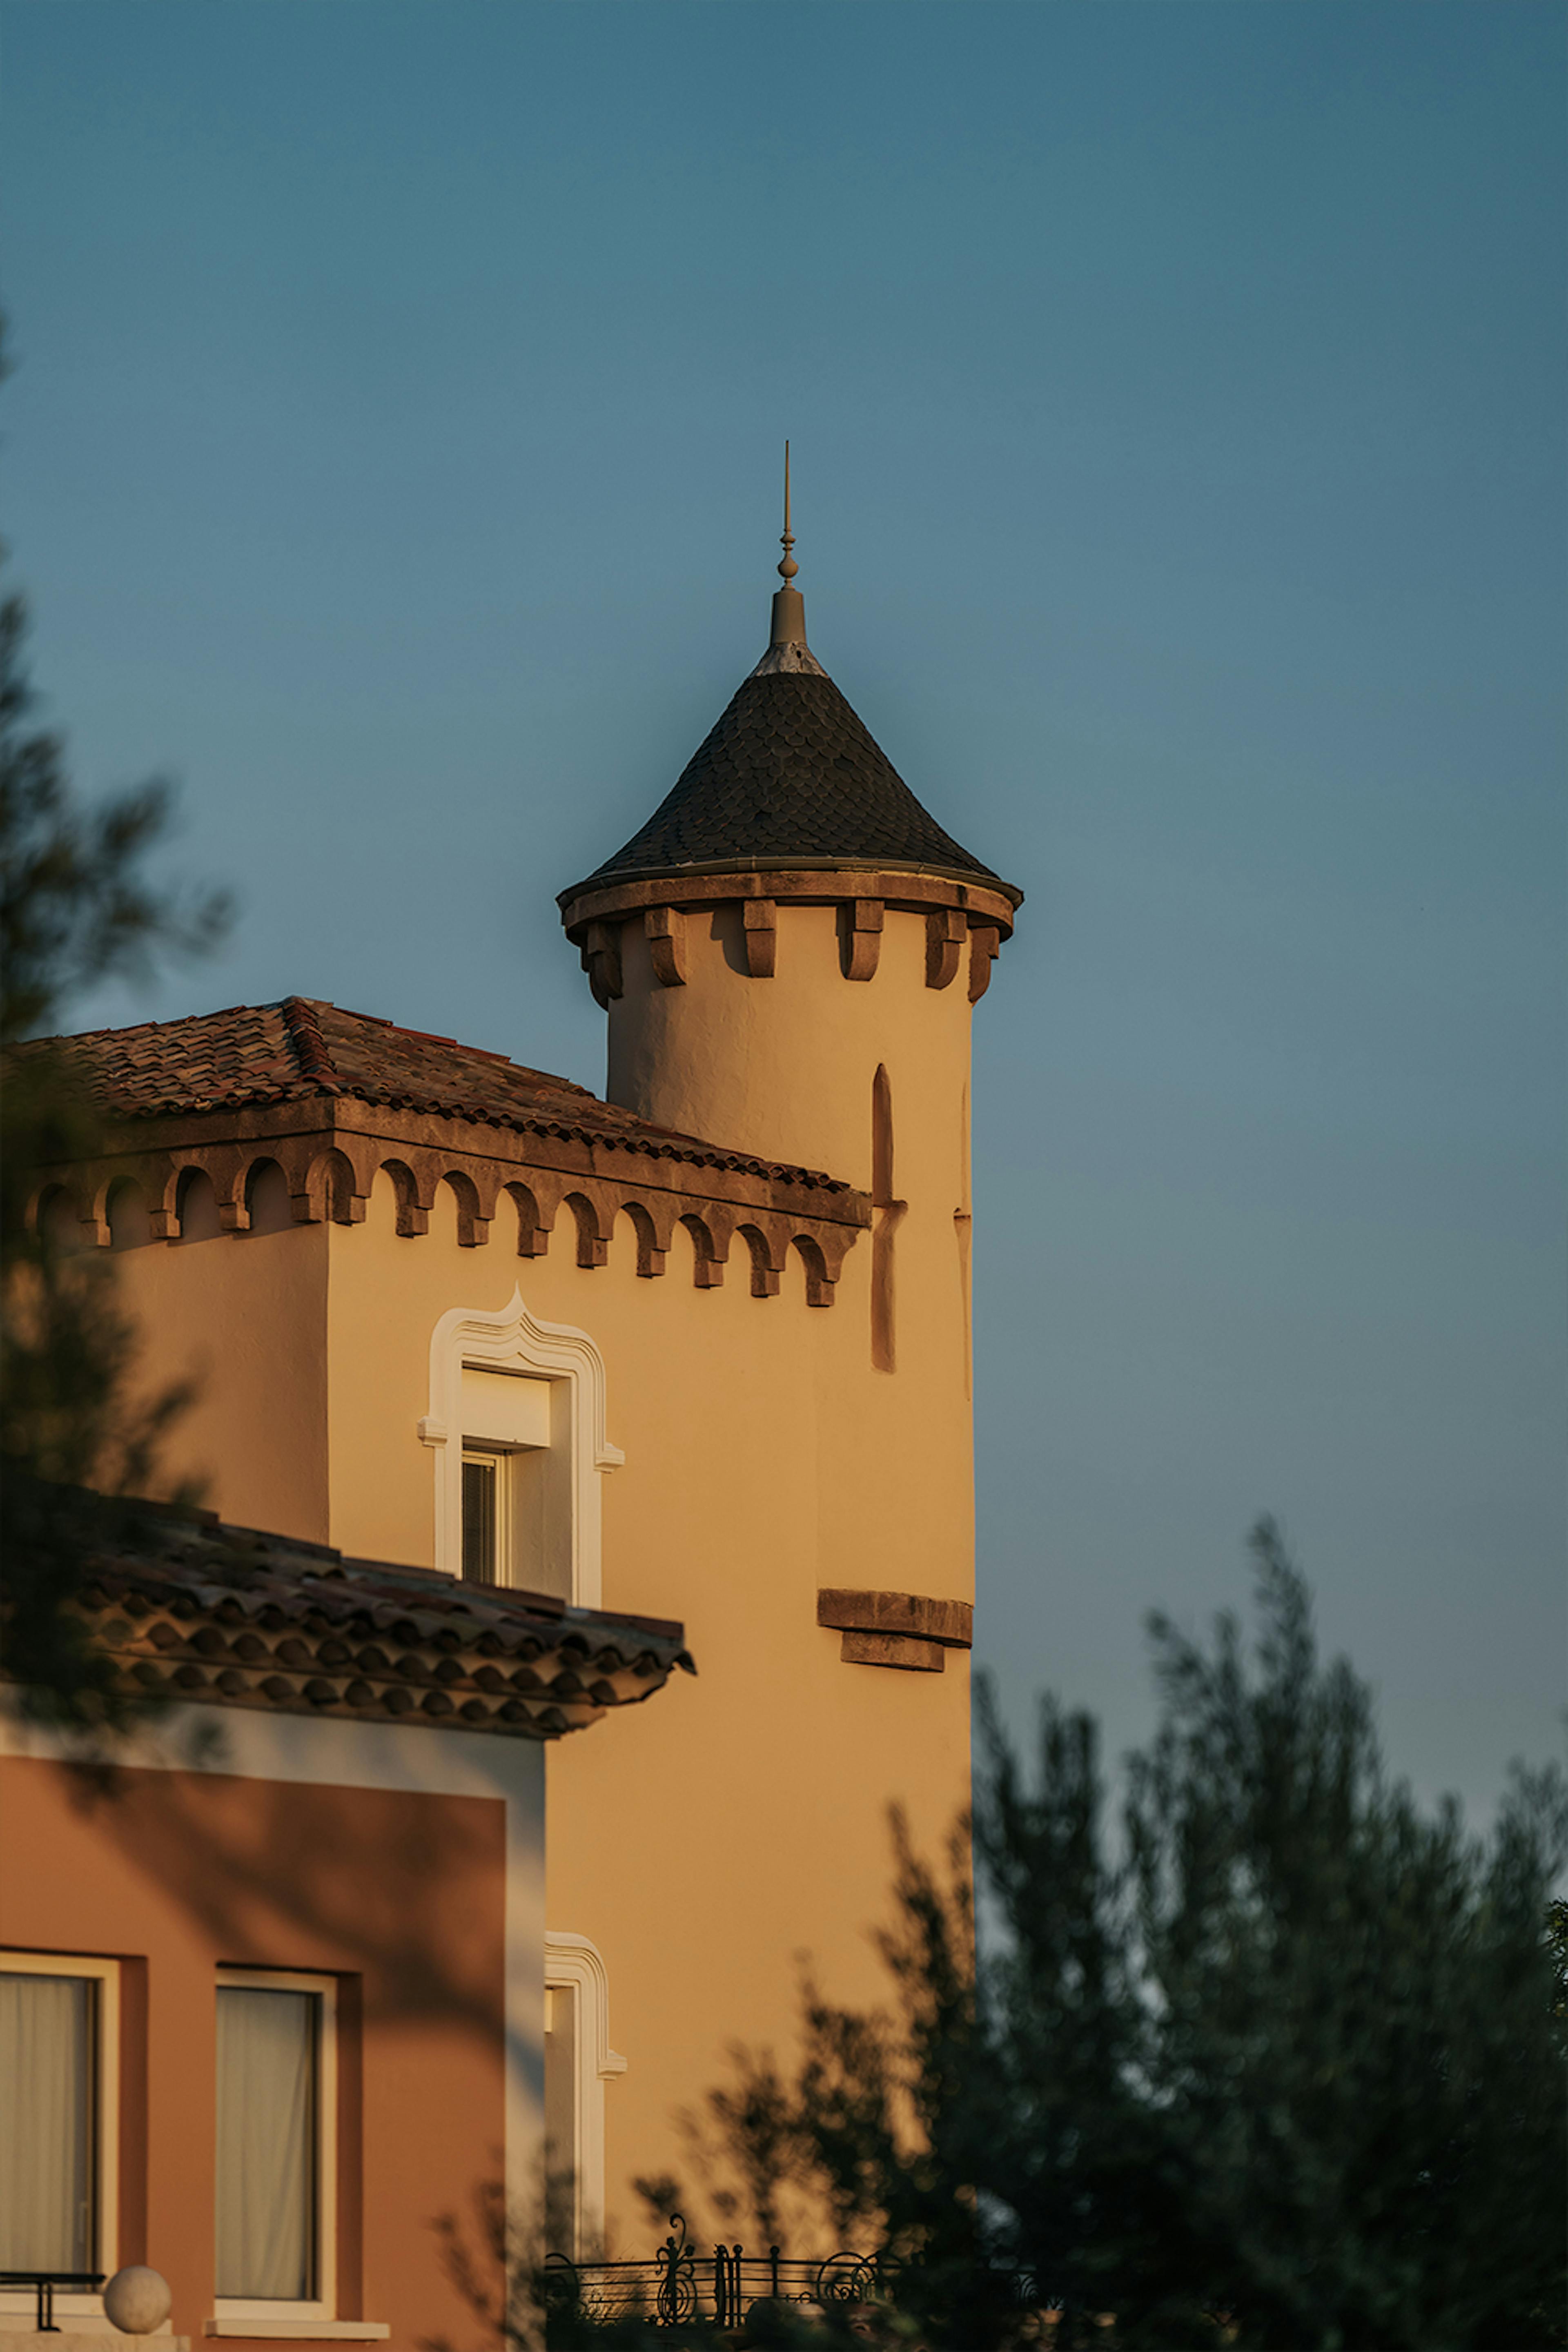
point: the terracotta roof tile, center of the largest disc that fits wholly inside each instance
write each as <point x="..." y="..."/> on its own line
<point x="193" y="1611"/>
<point x="302" y="1049"/>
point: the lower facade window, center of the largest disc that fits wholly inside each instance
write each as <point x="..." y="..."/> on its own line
<point x="561" y="2130"/>
<point x="58" y="2068"/>
<point x="578" y="2063"/>
<point x="276" y="2144"/>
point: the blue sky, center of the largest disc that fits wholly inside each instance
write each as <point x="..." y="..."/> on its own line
<point x="1175" y="393"/>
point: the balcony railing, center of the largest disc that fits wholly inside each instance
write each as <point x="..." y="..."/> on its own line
<point x="43" y="2284"/>
<point x="678" y="2285"/>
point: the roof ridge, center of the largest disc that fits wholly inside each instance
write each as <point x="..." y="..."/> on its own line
<point x="302" y="1024"/>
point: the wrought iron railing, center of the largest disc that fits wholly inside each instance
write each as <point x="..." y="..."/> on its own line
<point x="677" y="2286"/>
<point x="42" y="2284"/>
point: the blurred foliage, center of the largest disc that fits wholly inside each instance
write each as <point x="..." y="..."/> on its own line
<point x="75" y="907"/>
<point x="1282" y="2066"/>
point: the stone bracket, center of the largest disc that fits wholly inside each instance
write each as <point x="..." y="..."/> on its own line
<point x="895" y="1629"/>
<point x="601" y="953"/>
<point x="984" y="946"/>
<point x="665" y="930"/>
<point x="947" y="928"/>
<point x="893" y="1650"/>
<point x="760" y="919"/>
<point x="862" y="938"/>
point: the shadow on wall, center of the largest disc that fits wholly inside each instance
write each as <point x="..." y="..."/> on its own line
<point x="403" y="1888"/>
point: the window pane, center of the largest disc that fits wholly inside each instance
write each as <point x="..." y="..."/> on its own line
<point x="480" y="1522"/>
<point x="47" y="2033"/>
<point x="266" y="2143"/>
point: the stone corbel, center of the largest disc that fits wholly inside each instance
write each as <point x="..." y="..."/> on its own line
<point x="665" y="930"/>
<point x="602" y="962"/>
<point x="895" y="1629"/>
<point x="862" y="938"/>
<point x="984" y="946"/>
<point x="946" y="930"/>
<point x="760" y="919"/>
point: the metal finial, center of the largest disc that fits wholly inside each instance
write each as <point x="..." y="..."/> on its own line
<point x="789" y="567"/>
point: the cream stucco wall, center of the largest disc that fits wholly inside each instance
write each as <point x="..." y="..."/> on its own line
<point x="705" y="1842"/>
<point x="242" y="1318"/>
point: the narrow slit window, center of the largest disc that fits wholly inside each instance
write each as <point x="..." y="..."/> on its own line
<point x="482" y="1517"/>
<point x="269" y="2194"/>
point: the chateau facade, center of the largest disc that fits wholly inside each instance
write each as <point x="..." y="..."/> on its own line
<point x="679" y="1377"/>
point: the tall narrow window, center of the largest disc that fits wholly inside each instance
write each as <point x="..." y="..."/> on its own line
<point x="49" y="2041"/>
<point x="273" y="2107"/>
<point x="561" y="2117"/>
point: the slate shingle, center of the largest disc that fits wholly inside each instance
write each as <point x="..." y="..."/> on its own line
<point x="789" y="772"/>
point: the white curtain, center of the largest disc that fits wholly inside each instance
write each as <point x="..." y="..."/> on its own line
<point x="266" y="2143"/>
<point x="46" y="2123"/>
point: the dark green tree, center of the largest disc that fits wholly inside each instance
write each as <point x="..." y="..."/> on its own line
<point x="1278" y="2065"/>
<point x="75" y="906"/>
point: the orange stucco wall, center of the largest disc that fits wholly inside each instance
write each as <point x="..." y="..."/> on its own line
<point x="400" y="1896"/>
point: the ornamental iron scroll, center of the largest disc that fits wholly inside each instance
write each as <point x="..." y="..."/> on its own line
<point x="678" y="2298"/>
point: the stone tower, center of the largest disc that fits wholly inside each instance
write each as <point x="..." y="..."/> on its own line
<point x="788" y="952"/>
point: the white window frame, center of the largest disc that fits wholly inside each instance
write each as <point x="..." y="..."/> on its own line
<point x="19" y="2305"/>
<point x="510" y="1340"/>
<point x="573" y="1961"/>
<point x="281" y="2309"/>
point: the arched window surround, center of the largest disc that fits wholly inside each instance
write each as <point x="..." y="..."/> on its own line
<point x="510" y="1340"/>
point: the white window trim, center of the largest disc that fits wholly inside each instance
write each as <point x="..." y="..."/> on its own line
<point x="572" y="1960"/>
<point x="288" y="2309"/>
<point x="22" y="2303"/>
<point x="510" y="1339"/>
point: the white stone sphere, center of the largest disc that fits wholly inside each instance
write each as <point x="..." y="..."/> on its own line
<point x="137" y="2300"/>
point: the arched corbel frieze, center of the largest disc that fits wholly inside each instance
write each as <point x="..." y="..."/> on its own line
<point x="708" y="1257"/>
<point x="412" y="1215"/>
<point x="473" y="1225"/>
<point x="652" y="1237"/>
<point x="767" y="1259"/>
<point x="820" y="1277"/>
<point x="335" y="1181"/>
<point x="330" y="1185"/>
<point x="533" y="1222"/>
<point x="593" y="1228"/>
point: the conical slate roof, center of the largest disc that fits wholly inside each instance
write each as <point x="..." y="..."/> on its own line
<point x="789" y="776"/>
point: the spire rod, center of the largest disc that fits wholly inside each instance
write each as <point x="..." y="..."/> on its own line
<point x="789" y="567"/>
<point x="789" y="604"/>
